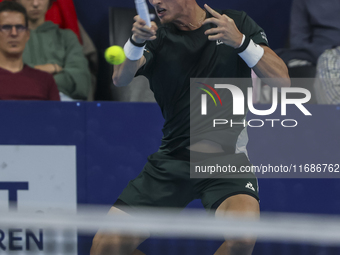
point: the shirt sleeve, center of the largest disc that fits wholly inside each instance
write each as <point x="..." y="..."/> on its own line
<point x="75" y="78"/>
<point x="250" y="28"/>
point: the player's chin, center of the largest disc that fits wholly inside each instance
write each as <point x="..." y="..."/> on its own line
<point x="164" y="20"/>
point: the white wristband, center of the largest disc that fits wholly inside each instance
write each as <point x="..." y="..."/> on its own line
<point x="133" y="52"/>
<point x="252" y="54"/>
<point x="243" y="38"/>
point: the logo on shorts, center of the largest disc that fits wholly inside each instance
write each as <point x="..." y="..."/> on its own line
<point x="250" y="186"/>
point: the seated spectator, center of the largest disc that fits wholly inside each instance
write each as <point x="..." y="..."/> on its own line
<point x="314" y="27"/>
<point x="63" y="13"/>
<point x="56" y="51"/>
<point x="17" y="80"/>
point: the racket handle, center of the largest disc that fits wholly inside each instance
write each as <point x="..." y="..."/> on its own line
<point x="143" y="11"/>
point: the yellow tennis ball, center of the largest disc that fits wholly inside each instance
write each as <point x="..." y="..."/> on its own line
<point x="115" y="55"/>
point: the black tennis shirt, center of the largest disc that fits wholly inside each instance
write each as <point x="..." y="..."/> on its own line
<point x="176" y="56"/>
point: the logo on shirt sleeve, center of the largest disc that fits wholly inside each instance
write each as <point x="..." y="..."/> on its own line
<point x="249" y="185"/>
<point x="264" y="36"/>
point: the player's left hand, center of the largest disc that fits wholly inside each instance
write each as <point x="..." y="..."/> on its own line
<point x="226" y="30"/>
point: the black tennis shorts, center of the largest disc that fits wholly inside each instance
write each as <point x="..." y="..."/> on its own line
<point x="165" y="182"/>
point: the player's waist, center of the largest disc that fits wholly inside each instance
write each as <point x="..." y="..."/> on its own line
<point x="206" y="146"/>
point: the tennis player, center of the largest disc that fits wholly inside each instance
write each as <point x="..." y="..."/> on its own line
<point x="191" y="42"/>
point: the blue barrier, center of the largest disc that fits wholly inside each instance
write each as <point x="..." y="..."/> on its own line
<point x="114" y="139"/>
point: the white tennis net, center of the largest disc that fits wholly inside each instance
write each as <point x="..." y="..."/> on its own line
<point x="179" y="228"/>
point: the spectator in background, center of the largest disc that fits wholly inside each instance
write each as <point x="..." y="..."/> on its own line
<point x="17" y="80"/>
<point x="56" y="51"/>
<point x="314" y="27"/>
<point x="327" y="84"/>
<point x="63" y="13"/>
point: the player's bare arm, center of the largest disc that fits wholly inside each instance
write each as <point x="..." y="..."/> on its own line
<point x="272" y="66"/>
<point x="124" y="73"/>
<point x="269" y="66"/>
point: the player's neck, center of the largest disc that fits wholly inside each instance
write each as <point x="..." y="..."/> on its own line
<point x="193" y="20"/>
<point x="12" y="63"/>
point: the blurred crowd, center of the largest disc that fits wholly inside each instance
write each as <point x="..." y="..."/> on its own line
<point x="46" y="54"/>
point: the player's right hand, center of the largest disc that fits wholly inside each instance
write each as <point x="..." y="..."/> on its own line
<point x="141" y="32"/>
